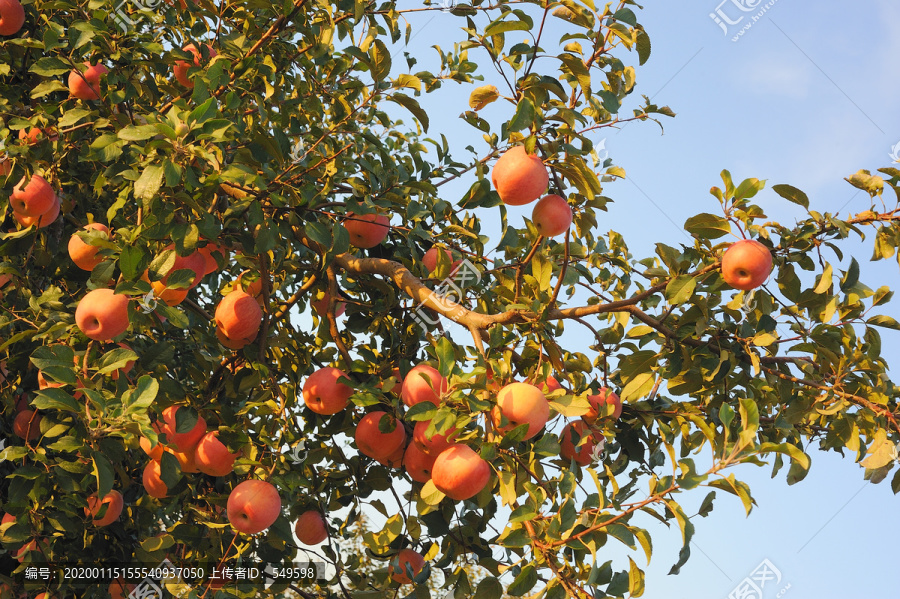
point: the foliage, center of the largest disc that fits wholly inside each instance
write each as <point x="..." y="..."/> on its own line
<point x="305" y="116"/>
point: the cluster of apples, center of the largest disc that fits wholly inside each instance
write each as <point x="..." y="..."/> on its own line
<point x="520" y="178"/>
<point x="34" y="203"/>
<point x="197" y="450"/>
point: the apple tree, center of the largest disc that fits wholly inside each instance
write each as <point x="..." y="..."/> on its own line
<point x="229" y="256"/>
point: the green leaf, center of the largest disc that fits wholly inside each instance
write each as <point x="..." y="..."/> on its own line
<point x="138" y="132"/>
<point x="748" y="188"/>
<point x="55" y="399"/>
<point x="489" y="588"/>
<point x="380" y="60"/>
<point x="524" y="116"/>
<point x="72" y="116"/>
<point x="707" y="226"/>
<point x="500" y="26"/>
<point x="635" y="579"/>
<point x="884" y="321"/>
<point x="643" y="47"/>
<point x="412" y="105"/>
<point x="104" y="473"/>
<point x="49" y="66"/>
<point x="680" y="289"/>
<point x="148" y="184"/>
<point x="133" y="261"/>
<point x="792" y="194"/>
<point x="524" y="582"/>
<point x="749" y="421"/>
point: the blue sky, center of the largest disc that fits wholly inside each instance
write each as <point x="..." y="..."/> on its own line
<point x="805" y="96"/>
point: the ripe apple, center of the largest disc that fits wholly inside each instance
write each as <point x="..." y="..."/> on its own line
<point x="418" y="464"/>
<point x="43" y="383"/>
<point x="238" y="318"/>
<point x="212" y="457"/>
<point x="254" y="288"/>
<point x="102" y="314"/>
<point x="395" y="460"/>
<point x="522" y="403"/>
<point x="114" y="504"/>
<point x="12" y="17"/>
<point x="186" y="459"/>
<point x="460" y="473"/>
<point x="549" y="385"/>
<point x="311" y="528"/>
<point x="603" y="398"/>
<point x="181" y="67"/>
<point x="430" y="260"/>
<point x="552" y="215"/>
<point x="181" y="441"/>
<point x="423" y="383"/>
<point x="25" y="427"/>
<point x="746" y="264"/>
<point x="35" y="199"/>
<point x="210" y="252"/>
<point x="371" y="441"/>
<point x="367" y="230"/>
<point x="406" y="558"/>
<point x="434" y="444"/>
<point x="253" y="506"/>
<point x="86" y="85"/>
<point x="154" y="451"/>
<point x="153" y="482"/>
<point x="323" y="394"/>
<point x="519" y="178"/>
<point x="575" y="433"/>
<point x="321" y="306"/>
<point x="119" y="589"/>
<point x="42" y="220"/>
<point x="7" y="519"/>
<point x="35" y="134"/>
<point x="83" y="254"/>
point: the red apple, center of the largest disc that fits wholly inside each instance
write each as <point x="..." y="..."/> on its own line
<point x="603" y="398"/>
<point x="152" y="479"/>
<point x="376" y="444"/>
<point x="460" y="473"/>
<point x="519" y="178"/>
<point x="552" y="215"/>
<point x="311" y="528"/>
<point x="577" y="442"/>
<point x="418" y="464"/>
<point x="83" y="254"/>
<point x="114" y="505"/>
<point x="27" y="425"/>
<point x="181" y="441"/>
<point x="238" y="319"/>
<point x="367" y="230"/>
<point x="746" y="264"/>
<point x="181" y="67"/>
<point x="322" y="392"/>
<point x="321" y="306"/>
<point x="434" y="444"/>
<point x="212" y="457"/>
<point x="42" y="220"/>
<point x="395" y="460"/>
<point x="423" y="383"/>
<point x="253" y="506"/>
<point x="86" y="85"/>
<point x="35" y="199"/>
<point x="522" y="403"/>
<point x="12" y="17"/>
<point x="102" y="314"/>
<point x="406" y="558"/>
